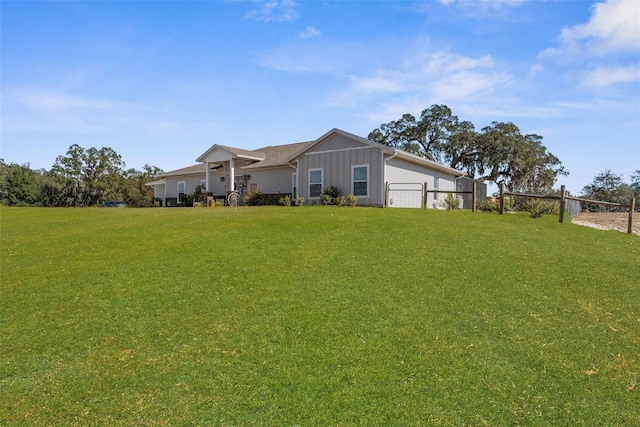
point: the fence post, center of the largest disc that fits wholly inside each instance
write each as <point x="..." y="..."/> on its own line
<point x="562" y="203"/>
<point x="386" y="194"/>
<point x="473" y="198"/>
<point x="632" y="207"/>
<point x="501" y="210"/>
<point x="424" y="196"/>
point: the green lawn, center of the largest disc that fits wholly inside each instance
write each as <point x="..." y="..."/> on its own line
<point x="315" y="316"/>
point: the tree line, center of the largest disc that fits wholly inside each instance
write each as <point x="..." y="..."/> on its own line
<point x="610" y="187"/>
<point x="499" y="153"/>
<point x="82" y="177"/>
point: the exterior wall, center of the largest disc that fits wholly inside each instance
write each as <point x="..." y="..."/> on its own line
<point x="273" y="180"/>
<point x="217" y="187"/>
<point x="158" y="191"/>
<point x="402" y="171"/>
<point x="171" y="186"/>
<point x="337" y="167"/>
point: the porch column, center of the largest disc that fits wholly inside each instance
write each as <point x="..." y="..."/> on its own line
<point x="207" y="176"/>
<point x="232" y="174"/>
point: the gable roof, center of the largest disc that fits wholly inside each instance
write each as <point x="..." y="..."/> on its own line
<point x="388" y="150"/>
<point x="231" y="152"/>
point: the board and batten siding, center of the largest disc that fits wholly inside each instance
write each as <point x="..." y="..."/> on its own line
<point x="337" y="166"/>
<point x="337" y="142"/>
<point x="402" y="171"/>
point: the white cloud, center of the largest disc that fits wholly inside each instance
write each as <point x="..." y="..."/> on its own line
<point x="274" y="11"/>
<point x="309" y="33"/>
<point x="608" y="76"/>
<point x="376" y="84"/>
<point x="424" y="79"/>
<point x="536" y="69"/>
<point x="614" y="27"/>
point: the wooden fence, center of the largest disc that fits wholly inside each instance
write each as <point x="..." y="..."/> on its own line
<point x="562" y="200"/>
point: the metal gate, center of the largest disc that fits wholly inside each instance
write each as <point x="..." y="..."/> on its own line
<point x="405" y="195"/>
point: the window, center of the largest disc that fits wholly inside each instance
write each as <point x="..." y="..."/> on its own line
<point x="294" y="186"/>
<point x="315" y="182"/>
<point x="360" y="180"/>
<point x="181" y="190"/>
<point x="436" y="185"/>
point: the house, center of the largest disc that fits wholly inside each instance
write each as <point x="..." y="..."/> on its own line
<point x="353" y="164"/>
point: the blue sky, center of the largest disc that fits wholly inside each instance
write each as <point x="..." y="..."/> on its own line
<point x="160" y="82"/>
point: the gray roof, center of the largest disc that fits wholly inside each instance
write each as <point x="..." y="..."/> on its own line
<point x="277" y="155"/>
<point x="195" y="169"/>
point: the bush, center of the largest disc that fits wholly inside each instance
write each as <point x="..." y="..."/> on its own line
<point x="340" y="200"/>
<point x="300" y="200"/>
<point x="489" y="205"/>
<point x="450" y="202"/>
<point x="256" y="198"/>
<point x="286" y="200"/>
<point x="252" y="198"/>
<point x="352" y="200"/>
<point x="539" y="207"/>
<point x="330" y="195"/>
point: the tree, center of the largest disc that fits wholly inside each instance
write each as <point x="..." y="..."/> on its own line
<point x="427" y="137"/>
<point x="89" y="176"/>
<point x="519" y="161"/>
<point x="635" y="183"/>
<point x="500" y="153"/>
<point x="136" y="192"/>
<point x="608" y="187"/>
<point x="19" y="185"/>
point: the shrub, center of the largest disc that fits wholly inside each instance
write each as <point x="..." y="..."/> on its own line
<point x="256" y="198"/>
<point x="539" y="207"/>
<point x="340" y="200"/>
<point x="286" y="200"/>
<point x="252" y="198"/>
<point x="330" y="195"/>
<point x="488" y="205"/>
<point x="450" y="202"/>
<point x="300" y="200"/>
<point x="352" y="200"/>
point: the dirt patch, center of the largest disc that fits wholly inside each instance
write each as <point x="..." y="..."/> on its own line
<point x="608" y="221"/>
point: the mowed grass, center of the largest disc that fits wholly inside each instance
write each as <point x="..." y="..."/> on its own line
<point x="315" y="316"/>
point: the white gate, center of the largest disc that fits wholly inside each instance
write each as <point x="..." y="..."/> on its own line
<point x="405" y="195"/>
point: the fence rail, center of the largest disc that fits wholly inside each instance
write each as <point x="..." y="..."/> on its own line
<point x="563" y="198"/>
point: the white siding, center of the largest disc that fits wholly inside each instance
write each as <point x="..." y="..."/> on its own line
<point x="402" y="171"/>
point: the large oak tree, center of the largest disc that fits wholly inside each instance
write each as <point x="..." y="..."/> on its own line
<point x="499" y="153"/>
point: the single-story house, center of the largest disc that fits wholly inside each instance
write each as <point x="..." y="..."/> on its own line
<point x="353" y="164"/>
